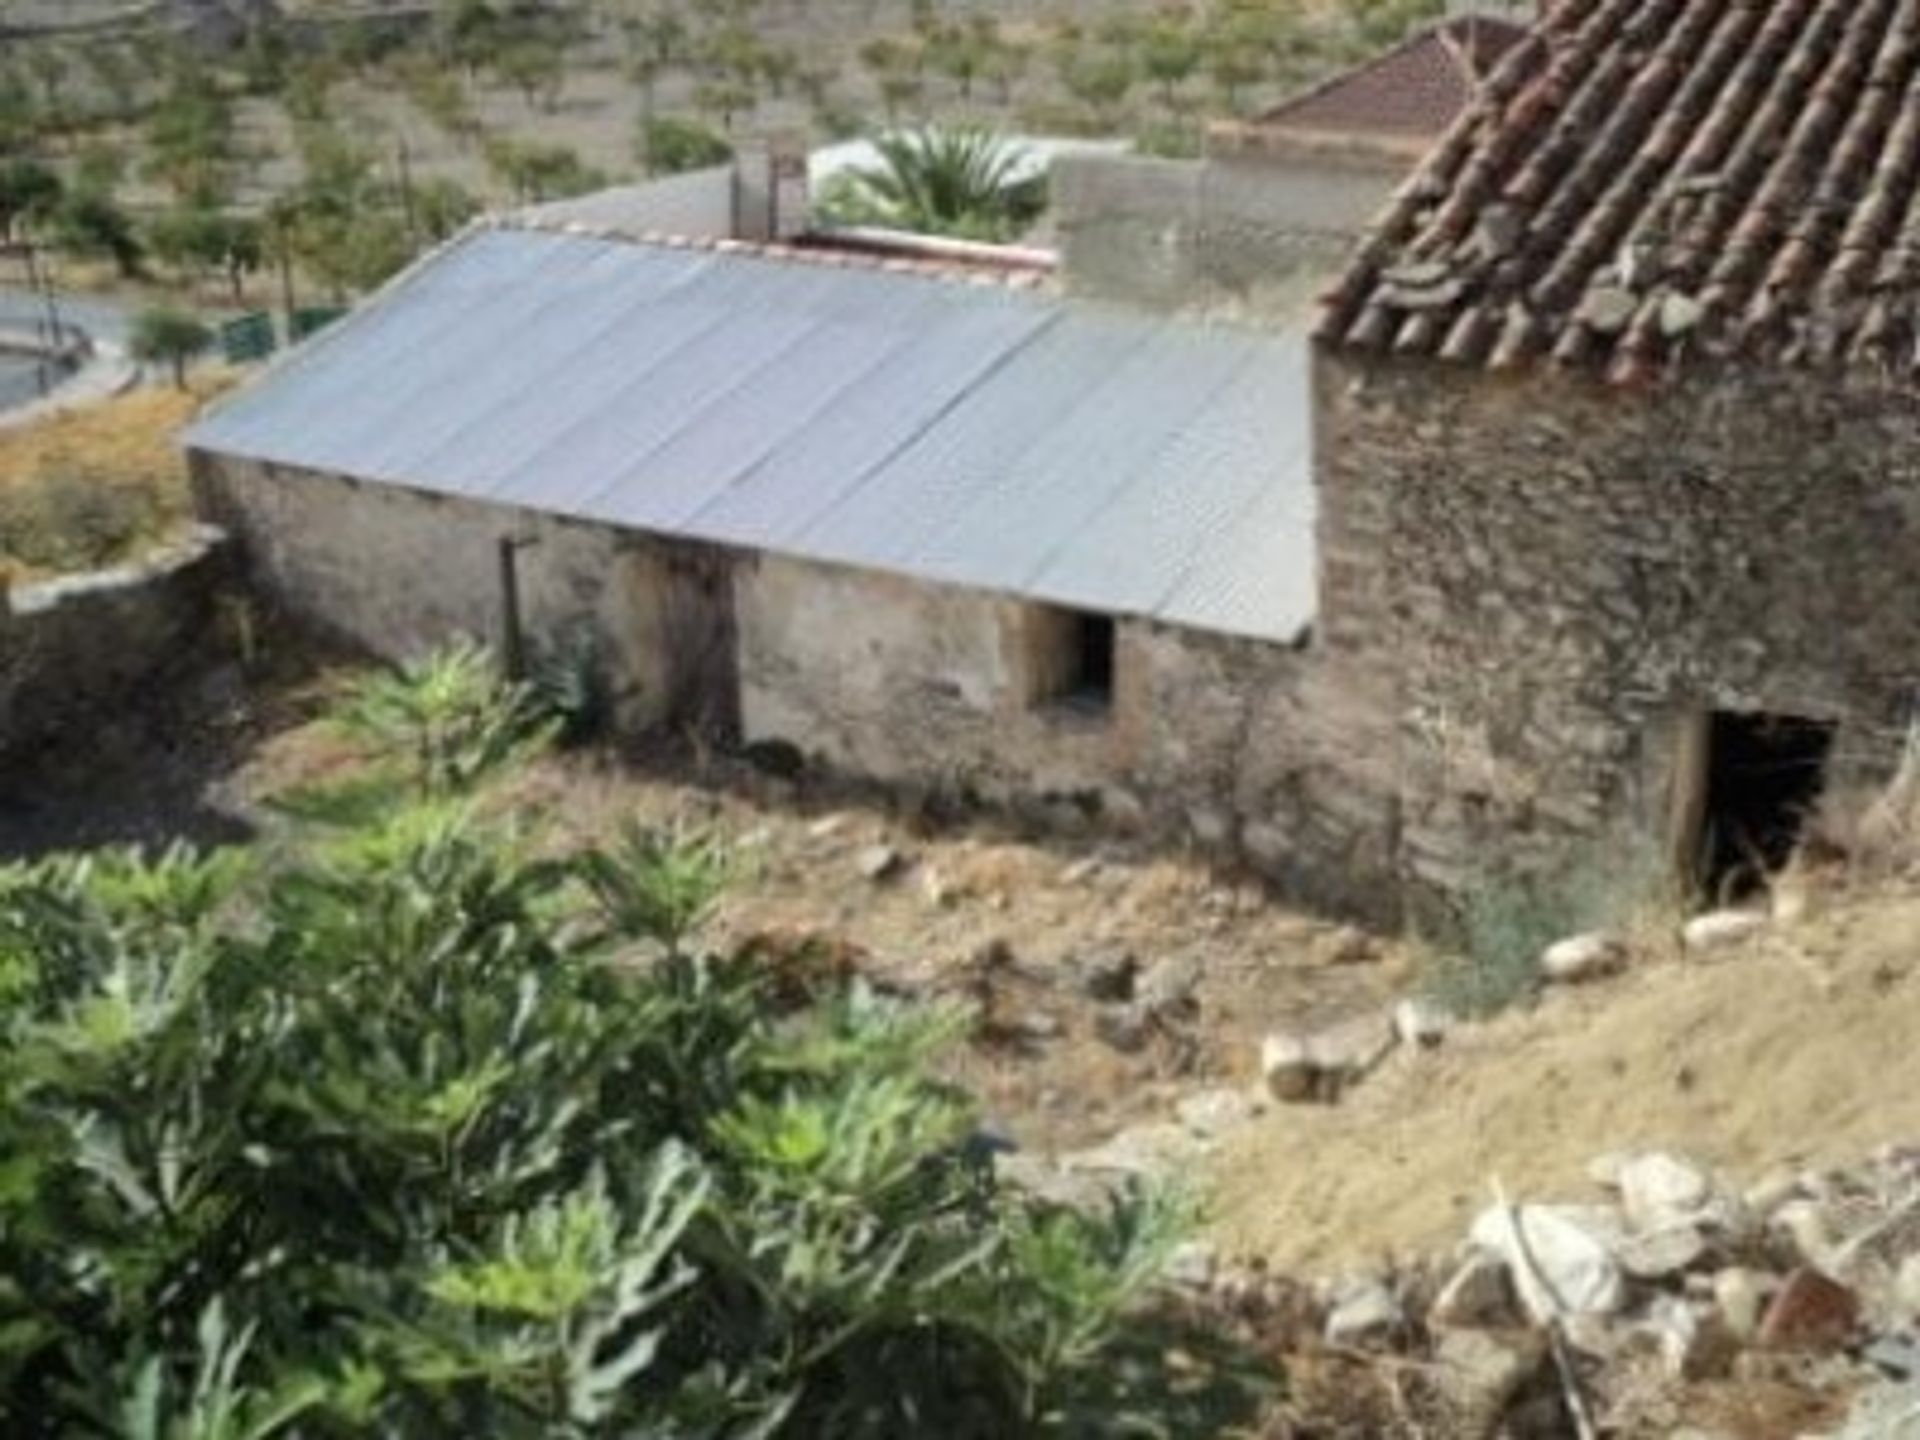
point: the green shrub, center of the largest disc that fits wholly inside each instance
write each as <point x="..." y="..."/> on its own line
<point x="71" y="517"/>
<point x="1490" y="960"/>
<point x="414" y="1128"/>
<point x="670" y="146"/>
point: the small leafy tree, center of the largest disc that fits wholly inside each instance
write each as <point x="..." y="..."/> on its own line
<point x="92" y="224"/>
<point x="30" y="192"/>
<point x="671" y="146"/>
<point x="422" y="1127"/>
<point x="174" y="338"/>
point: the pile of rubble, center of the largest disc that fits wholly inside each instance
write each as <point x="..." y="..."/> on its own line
<point x="1621" y="1316"/>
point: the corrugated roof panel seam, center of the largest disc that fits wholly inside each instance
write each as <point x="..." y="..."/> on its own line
<point x="1004" y="441"/>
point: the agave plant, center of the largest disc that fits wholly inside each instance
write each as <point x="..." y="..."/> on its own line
<point x="962" y="181"/>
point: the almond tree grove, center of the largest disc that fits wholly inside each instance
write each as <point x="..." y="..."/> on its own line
<point x="409" y="1122"/>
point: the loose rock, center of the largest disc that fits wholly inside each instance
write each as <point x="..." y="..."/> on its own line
<point x="1167" y="987"/>
<point x="1364" y="1313"/>
<point x="1479" y="1375"/>
<point x="1346" y="945"/>
<point x="1722" y="929"/>
<point x="1421" y="1023"/>
<point x="1741" y="1296"/>
<point x="1352" y="1049"/>
<point x="1695" y="1343"/>
<point x="1479" y="1293"/>
<point x="1658" y="1189"/>
<point x="1123" y="1028"/>
<point x="1811" y="1313"/>
<point x="1211" y="1113"/>
<point x="1193" y="1264"/>
<point x="1661" y="1253"/>
<point x="879" y="862"/>
<point x="1287" y="1065"/>
<point x="1906" y="1288"/>
<point x="1561" y="1259"/>
<point x="1581" y="958"/>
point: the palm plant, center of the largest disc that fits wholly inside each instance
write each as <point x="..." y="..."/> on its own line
<point x="964" y="182"/>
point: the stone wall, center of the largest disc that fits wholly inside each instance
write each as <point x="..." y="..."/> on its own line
<point x="396" y="572"/>
<point x="1549" y="580"/>
<point x="1256" y="231"/>
<point x="1248" y="750"/>
<point x="74" y="647"/>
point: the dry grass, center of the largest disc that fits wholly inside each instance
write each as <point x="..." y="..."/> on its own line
<point x="90" y="487"/>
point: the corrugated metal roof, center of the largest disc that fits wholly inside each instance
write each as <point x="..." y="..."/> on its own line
<point x="966" y="434"/>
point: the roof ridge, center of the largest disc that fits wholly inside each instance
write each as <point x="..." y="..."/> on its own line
<point x="1439" y="31"/>
<point x="785" y="252"/>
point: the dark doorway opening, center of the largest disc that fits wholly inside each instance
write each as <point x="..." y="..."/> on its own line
<point x="1764" y="776"/>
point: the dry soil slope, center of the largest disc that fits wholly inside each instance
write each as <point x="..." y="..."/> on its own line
<point x="1801" y="1048"/>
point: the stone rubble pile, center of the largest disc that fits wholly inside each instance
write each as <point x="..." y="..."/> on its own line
<point x="1606" y="1312"/>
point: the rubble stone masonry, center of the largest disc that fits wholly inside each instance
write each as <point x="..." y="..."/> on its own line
<point x="1548" y="578"/>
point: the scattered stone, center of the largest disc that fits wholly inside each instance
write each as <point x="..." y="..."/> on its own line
<point x="828" y="826"/>
<point x="1211" y="1113"/>
<point x="1721" y="929"/>
<point x="1695" y="1344"/>
<point x="1479" y="1293"/>
<point x="1210" y="827"/>
<point x="1479" y="1375"/>
<point x="1906" y="1288"/>
<point x="1661" y="1253"/>
<point x="937" y="889"/>
<point x="1741" y="1296"/>
<point x="1895" y="1356"/>
<point x="1658" y="1189"/>
<point x="1123" y="1028"/>
<point x="1773" y="1190"/>
<point x="1053" y="1184"/>
<point x="1080" y="871"/>
<point x="1351" y="1050"/>
<point x="1193" y="1265"/>
<point x="1364" y="1313"/>
<point x="1346" y="945"/>
<point x="1805" y="1225"/>
<point x="1560" y="1256"/>
<point x="879" y="862"/>
<point x="1167" y="987"/>
<point x="1581" y="958"/>
<point x="1810" y="1313"/>
<point x="1143" y="1150"/>
<point x="1110" y="976"/>
<point x="1039" y="1025"/>
<point x="1604" y="1170"/>
<point x="1289" y="1069"/>
<point x="1420" y="1023"/>
<point x="1884" y="1412"/>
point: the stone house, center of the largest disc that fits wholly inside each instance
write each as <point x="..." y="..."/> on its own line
<point x="925" y="523"/>
<point x="1617" y="468"/>
<point x="1590" y="518"/>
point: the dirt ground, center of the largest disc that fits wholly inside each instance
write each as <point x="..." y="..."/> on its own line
<point x="1796" y="1049"/>
<point x="1801" y="1049"/>
<point x="969" y="910"/>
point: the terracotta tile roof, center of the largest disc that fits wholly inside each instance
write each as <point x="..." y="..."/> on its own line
<point x="1413" y="91"/>
<point x="1641" y="181"/>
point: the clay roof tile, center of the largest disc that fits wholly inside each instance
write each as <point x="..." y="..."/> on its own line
<point x="1745" y="173"/>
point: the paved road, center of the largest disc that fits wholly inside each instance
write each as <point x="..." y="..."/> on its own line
<point x="23" y="378"/>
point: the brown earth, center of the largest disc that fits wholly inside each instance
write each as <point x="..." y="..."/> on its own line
<point x="1801" y="1048"/>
